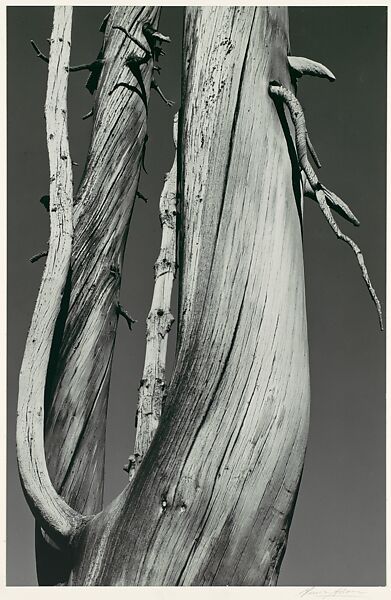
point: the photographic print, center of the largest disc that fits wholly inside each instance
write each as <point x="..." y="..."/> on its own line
<point x="196" y="295"/>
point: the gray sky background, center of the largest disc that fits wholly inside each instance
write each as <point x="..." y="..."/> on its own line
<point x="338" y="531"/>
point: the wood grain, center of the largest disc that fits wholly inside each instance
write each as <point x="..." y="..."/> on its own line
<point x="78" y="376"/>
<point x="212" y="501"/>
<point x="152" y="391"/>
<point x="54" y="515"/>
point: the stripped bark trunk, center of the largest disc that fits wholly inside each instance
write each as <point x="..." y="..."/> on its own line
<point x="53" y="513"/>
<point x="81" y="357"/>
<point x="212" y="500"/>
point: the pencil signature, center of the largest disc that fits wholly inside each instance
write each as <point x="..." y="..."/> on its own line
<point x="326" y="593"/>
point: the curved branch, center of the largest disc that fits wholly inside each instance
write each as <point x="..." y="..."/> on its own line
<point x="321" y="193"/>
<point x="333" y="201"/>
<point x="300" y="65"/>
<point x="39" y="54"/>
<point x="313" y="152"/>
<point x="54" y="515"/>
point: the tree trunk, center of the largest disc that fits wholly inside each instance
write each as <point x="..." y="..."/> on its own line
<point x="212" y="500"/>
<point x="78" y="376"/>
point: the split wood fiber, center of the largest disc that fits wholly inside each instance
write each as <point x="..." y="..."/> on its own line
<point x="54" y="515"/>
<point x="81" y="357"/>
<point x="212" y="501"/>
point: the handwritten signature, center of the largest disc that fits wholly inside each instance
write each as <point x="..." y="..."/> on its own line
<point x="324" y="593"/>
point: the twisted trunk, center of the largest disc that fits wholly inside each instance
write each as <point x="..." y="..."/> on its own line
<point x="213" y="498"/>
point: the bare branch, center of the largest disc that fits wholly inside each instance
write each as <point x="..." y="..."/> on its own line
<point x="305" y="66"/>
<point x="88" y="115"/>
<point x="141" y="196"/>
<point x="38" y="256"/>
<point x="155" y="87"/>
<point x="40" y="54"/>
<point x="132" y="38"/>
<point x="159" y="322"/>
<point x="278" y="91"/>
<point x="333" y="201"/>
<point x="124" y="313"/>
<point x="94" y="65"/>
<point x="54" y="515"/>
<point x="313" y="152"/>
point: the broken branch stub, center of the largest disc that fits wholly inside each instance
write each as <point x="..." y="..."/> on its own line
<point x="38" y="256"/>
<point x="299" y="65"/>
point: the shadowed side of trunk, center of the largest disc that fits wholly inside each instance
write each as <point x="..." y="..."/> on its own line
<point x="212" y="501"/>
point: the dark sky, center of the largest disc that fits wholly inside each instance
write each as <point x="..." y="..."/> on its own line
<point x="338" y="531"/>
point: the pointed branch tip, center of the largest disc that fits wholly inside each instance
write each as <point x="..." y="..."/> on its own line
<point x="88" y="115"/>
<point x="103" y="26"/>
<point x="141" y="196"/>
<point x="156" y="87"/>
<point x="40" y="54"/>
<point x="340" y="206"/>
<point x="305" y="66"/>
<point x="333" y="201"/>
<point x="297" y="115"/>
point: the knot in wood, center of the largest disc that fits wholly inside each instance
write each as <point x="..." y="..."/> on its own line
<point x="163" y="266"/>
<point x="132" y="464"/>
<point x="168" y="218"/>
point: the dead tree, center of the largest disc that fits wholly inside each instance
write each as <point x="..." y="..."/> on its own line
<point x="219" y="451"/>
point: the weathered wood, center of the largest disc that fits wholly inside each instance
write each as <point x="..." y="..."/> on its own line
<point x="212" y="501"/>
<point x="152" y="389"/>
<point x="79" y="372"/>
<point x="76" y="419"/>
<point x="54" y="515"/>
<point x="305" y="66"/>
<point x="323" y="196"/>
